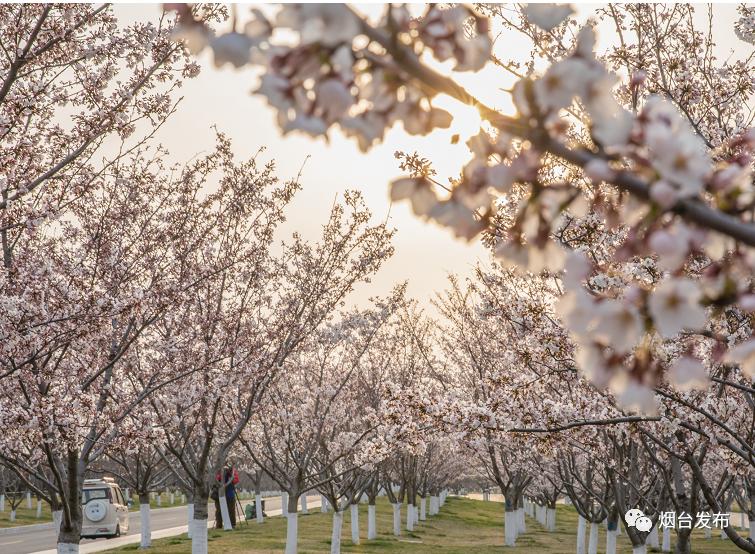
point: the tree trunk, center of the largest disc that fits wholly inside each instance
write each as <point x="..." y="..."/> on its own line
<point x="666" y="544"/>
<point x="190" y="518"/>
<point x="652" y="539"/>
<point x="371" y="522"/>
<point x="683" y="544"/>
<point x="397" y="519"/>
<point x="284" y="504"/>
<point x="224" y="514"/>
<point x="292" y="532"/>
<point x="304" y="504"/>
<point x="70" y="529"/>
<point x="550" y="519"/>
<point x="144" y="515"/>
<point x="323" y="504"/>
<point x="354" y="523"/>
<point x="592" y="545"/>
<point x="258" y="507"/>
<point x="581" y="528"/>
<point x="423" y="509"/>
<point x="409" y="517"/>
<point x="57" y="519"/>
<point x="611" y="541"/>
<point x="510" y="525"/>
<point x="335" y="536"/>
<point x="199" y="523"/>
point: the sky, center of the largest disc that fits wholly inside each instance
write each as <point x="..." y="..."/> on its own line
<point x="425" y="254"/>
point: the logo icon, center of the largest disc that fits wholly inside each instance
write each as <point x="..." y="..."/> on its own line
<point x="637" y="519"/>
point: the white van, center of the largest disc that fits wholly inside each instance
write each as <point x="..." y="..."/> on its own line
<point x="104" y="508"/>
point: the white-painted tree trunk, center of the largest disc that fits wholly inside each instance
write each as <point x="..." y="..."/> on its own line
<point x="510" y="527"/>
<point x="423" y="509"/>
<point x="172" y="498"/>
<point x="611" y="542"/>
<point x="335" y="536"/>
<point x="371" y="522"/>
<point x="304" y="504"/>
<point x="258" y="508"/>
<point x="2" y="502"/>
<point x="397" y="519"/>
<point x="13" y="515"/>
<point x="415" y="511"/>
<point x="666" y="544"/>
<point x="284" y="504"/>
<point x="57" y="518"/>
<point x="39" y="508"/>
<point x="191" y="518"/>
<point x="581" y="528"/>
<point x="199" y="536"/>
<point x="323" y="504"/>
<point x="409" y="517"/>
<point x="433" y="505"/>
<point x="28" y="500"/>
<point x="354" y="508"/>
<point x="550" y="519"/>
<point x="708" y="532"/>
<point x="144" y="517"/>
<point x="741" y="520"/>
<point x="292" y="532"/>
<point x="724" y="536"/>
<point x="67" y="548"/>
<point x="652" y="539"/>
<point x="521" y="523"/>
<point x="226" y="517"/>
<point x="642" y="549"/>
<point x="752" y="530"/>
<point x="592" y="545"/>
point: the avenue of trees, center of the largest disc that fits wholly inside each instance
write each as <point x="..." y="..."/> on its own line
<point x="155" y="325"/>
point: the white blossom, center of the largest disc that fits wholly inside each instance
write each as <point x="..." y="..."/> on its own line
<point x="547" y="16"/>
<point x="675" y="306"/>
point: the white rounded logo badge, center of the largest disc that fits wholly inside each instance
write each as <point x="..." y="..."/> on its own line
<point x="637" y="519"/>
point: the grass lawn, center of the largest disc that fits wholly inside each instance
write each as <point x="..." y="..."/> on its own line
<point x="463" y="526"/>
<point x="25" y="516"/>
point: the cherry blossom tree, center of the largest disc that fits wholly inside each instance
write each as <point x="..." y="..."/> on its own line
<point x="246" y="324"/>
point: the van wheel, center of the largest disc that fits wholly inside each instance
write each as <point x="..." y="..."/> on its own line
<point x="117" y="532"/>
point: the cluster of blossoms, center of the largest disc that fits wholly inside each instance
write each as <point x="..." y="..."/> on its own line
<point x="635" y="156"/>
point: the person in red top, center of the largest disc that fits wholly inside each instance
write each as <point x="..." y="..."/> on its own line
<point x="230" y="480"/>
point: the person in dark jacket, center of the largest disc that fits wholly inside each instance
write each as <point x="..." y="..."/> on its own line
<point x="231" y="478"/>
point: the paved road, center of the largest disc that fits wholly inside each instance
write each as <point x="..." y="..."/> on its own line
<point x="165" y="522"/>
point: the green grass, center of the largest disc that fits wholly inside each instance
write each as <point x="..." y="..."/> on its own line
<point x="25" y="516"/>
<point x="463" y="526"/>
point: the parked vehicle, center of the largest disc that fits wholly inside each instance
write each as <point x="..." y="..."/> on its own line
<point x="105" y="509"/>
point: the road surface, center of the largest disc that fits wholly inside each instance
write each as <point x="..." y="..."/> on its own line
<point x="165" y="522"/>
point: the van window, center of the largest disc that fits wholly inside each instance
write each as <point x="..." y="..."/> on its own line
<point x="93" y="494"/>
<point x="119" y="496"/>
